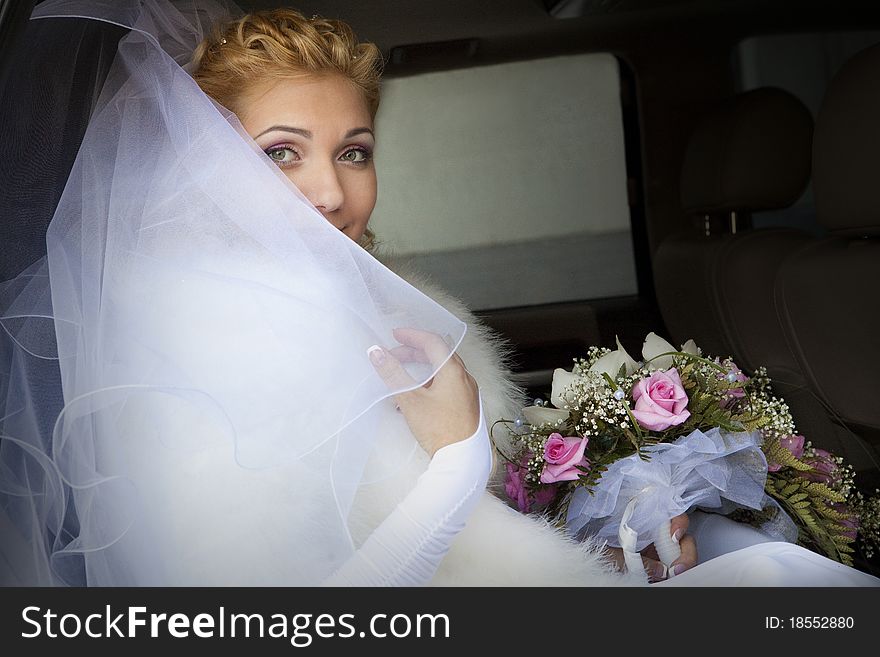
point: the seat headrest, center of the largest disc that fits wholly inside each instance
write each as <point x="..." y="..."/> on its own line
<point x="751" y="154"/>
<point x="846" y="176"/>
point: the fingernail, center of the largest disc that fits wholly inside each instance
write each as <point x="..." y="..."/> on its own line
<point x="376" y="355"/>
<point x="659" y="572"/>
<point x="677" y="535"/>
<point x="677" y="569"/>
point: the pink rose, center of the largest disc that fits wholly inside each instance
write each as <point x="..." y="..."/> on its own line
<point x="516" y="489"/>
<point x="851" y="522"/>
<point x="562" y="457"/>
<point x="660" y="401"/>
<point x="544" y="495"/>
<point x="794" y="444"/>
<point x="824" y="467"/>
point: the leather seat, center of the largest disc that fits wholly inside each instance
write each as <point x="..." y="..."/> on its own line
<point x="748" y="268"/>
<point x="750" y="155"/>
<point x="753" y="154"/>
<point x="827" y="294"/>
<point x="771" y="169"/>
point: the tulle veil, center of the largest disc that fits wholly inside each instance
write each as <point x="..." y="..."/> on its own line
<point x="186" y="393"/>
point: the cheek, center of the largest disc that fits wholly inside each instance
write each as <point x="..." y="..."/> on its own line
<point x="360" y="198"/>
<point x="295" y="176"/>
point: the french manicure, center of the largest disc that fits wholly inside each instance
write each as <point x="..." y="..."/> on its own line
<point x="677" y="535"/>
<point x="376" y="355"/>
<point x="660" y="572"/>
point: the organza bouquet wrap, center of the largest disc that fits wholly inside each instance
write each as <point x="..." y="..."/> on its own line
<point x="699" y="469"/>
<point x="624" y="446"/>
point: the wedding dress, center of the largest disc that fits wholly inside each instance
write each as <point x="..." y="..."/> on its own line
<point x="220" y="422"/>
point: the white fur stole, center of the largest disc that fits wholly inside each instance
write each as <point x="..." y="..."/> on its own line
<point x="499" y="546"/>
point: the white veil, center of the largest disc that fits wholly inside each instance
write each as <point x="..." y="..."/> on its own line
<point x="209" y="330"/>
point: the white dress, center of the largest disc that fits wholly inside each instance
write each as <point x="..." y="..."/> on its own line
<point x="735" y="554"/>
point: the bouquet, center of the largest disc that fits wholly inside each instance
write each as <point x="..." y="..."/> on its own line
<point x="624" y="446"/>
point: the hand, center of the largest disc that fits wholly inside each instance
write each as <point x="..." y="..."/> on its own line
<point x="656" y="570"/>
<point x="446" y="409"/>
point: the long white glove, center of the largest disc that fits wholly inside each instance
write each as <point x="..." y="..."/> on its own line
<point x="406" y="549"/>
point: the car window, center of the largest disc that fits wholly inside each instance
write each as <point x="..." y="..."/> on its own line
<point x="507" y="183"/>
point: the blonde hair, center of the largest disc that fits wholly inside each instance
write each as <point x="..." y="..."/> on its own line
<point x="278" y="44"/>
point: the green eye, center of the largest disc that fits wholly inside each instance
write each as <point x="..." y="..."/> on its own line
<point x="355" y="155"/>
<point x="282" y="154"/>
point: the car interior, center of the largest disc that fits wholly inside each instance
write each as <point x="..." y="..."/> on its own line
<point x="581" y="171"/>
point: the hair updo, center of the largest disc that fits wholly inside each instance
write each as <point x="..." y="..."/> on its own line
<point x="282" y="43"/>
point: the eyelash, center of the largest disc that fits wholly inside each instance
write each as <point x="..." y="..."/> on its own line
<point x="366" y="153"/>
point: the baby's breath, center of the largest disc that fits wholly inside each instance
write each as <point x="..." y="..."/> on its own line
<point x="823" y="503"/>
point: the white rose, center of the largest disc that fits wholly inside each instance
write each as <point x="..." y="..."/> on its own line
<point x="652" y="348"/>
<point x="690" y="347"/>
<point x="538" y="415"/>
<point x="562" y="380"/>
<point x="655" y="345"/>
<point x="611" y="362"/>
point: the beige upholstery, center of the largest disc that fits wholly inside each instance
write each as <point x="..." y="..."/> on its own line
<point x="751" y="154"/>
<point x="722" y="290"/>
<point x="827" y="296"/>
<point x="684" y="269"/>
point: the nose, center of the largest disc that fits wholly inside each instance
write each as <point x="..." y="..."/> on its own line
<point x="320" y="184"/>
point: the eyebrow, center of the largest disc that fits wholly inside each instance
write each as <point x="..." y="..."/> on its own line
<point x="358" y="131"/>
<point x="307" y="133"/>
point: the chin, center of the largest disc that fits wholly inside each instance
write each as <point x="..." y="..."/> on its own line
<point x="363" y="238"/>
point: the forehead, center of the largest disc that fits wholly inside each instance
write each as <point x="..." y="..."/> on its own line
<point x="330" y="101"/>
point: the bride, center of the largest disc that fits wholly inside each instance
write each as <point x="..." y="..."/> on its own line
<point x="249" y="396"/>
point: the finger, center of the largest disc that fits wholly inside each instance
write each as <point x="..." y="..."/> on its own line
<point x="678" y="526"/>
<point x="431" y="344"/>
<point x="656" y="570"/>
<point x="616" y="555"/>
<point x="650" y="552"/>
<point x="406" y="354"/>
<point x="389" y="368"/>
<point x="688" y="558"/>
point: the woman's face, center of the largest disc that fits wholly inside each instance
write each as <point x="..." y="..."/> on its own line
<point x="318" y="130"/>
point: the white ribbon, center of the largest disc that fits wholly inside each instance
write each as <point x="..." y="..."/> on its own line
<point x="628" y="538"/>
<point x="668" y="550"/>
